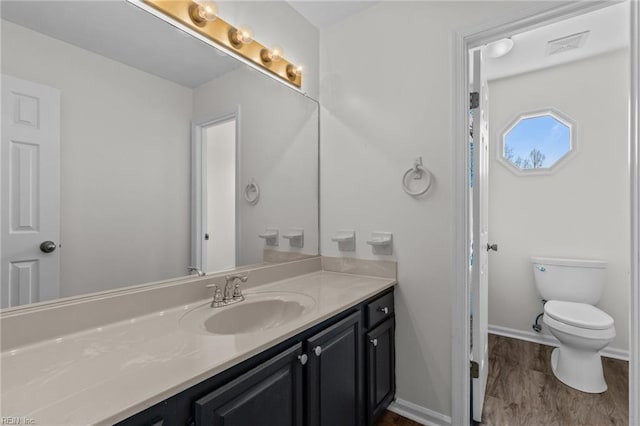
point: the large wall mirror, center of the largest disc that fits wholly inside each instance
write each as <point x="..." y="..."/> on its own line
<point x="132" y="150"/>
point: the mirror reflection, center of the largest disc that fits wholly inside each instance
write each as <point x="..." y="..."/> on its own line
<point x="131" y="151"/>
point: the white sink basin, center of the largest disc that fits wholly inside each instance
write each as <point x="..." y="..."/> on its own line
<point x="258" y="312"/>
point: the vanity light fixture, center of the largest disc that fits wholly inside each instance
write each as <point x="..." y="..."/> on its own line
<point x="202" y="17"/>
<point x="240" y="36"/>
<point x="203" y="11"/>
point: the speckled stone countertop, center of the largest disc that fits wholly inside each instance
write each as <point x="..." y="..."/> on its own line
<point x="106" y="374"/>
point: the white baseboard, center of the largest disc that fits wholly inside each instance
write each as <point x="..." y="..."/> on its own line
<point x="549" y="340"/>
<point x="419" y="414"/>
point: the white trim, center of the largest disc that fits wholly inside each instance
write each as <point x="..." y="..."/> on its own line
<point x="463" y="40"/>
<point x="461" y="335"/>
<point x="549" y="340"/>
<point x="419" y="414"/>
<point x="634" y="165"/>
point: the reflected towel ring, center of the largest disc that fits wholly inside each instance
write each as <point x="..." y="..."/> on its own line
<point x="417" y="172"/>
<point x="252" y="192"/>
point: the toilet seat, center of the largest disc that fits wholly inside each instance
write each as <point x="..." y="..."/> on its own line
<point x="580" y="315"/>
<point x="584" y="333"/>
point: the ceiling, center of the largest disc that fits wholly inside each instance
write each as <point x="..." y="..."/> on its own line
<point x="323" y="14"/>
<point x="125" y="33"/>
<point x="608" y="30"/>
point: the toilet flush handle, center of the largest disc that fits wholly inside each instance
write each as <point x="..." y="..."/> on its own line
<point x="541" y="268"/>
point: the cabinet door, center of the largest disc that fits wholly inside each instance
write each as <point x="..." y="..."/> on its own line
<point x="381" y="380"/>
<point x="334" y="379"/>
<point x="268" y="395"/>
<point x="158" y="415"/>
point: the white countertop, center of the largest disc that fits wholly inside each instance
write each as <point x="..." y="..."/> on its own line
<point x="106" y="374"/>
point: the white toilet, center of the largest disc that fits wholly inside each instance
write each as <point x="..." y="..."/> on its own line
<point x="571" y="288"/>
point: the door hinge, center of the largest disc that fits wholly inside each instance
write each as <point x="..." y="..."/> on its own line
<point x="475" y="370"/>
<point x="474" y="100"/>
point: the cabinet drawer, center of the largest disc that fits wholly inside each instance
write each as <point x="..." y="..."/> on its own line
<point x="379" y="309"/>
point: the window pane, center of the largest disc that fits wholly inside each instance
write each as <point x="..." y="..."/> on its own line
<point x="537" y="142"/>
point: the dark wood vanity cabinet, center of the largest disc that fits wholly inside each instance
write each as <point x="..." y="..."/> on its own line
<point x="338" y="373"/>
<point x="269" y="395"/>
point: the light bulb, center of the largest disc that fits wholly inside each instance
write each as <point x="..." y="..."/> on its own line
<point x="245" y="35"/>
<point x="204" y="11"/>
<point x="294" y="71"/>
<point x="276" y="53"/>
<point x="273" y="54"/>
<point x="239" y="36"/>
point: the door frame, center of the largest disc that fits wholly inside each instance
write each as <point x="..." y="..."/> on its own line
<point x="463" y="40"/>
<point x="198" y="184"/>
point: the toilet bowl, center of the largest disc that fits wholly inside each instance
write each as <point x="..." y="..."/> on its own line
<point x="571" y="288"/>
<point x="583" y="330"/>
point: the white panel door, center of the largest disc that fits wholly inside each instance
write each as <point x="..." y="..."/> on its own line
<point x="480" y="229"/>
<point x="30" y="186"/>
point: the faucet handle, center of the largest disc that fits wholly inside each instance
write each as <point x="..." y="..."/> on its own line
<point x="237" y="293"/>
<point x="217" y="295"/>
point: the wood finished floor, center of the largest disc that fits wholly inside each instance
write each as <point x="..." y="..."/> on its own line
<point x="522" y="390"/>
<point x="393" y="419"/>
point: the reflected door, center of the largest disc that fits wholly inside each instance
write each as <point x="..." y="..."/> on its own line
<point x="220" y="174"/>
<point x="30" y="214"/>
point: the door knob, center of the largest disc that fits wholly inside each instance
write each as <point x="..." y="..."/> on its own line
<point x="493" y="247"/>
<point x="47" y="246"/>
<point x="317" y="350"/>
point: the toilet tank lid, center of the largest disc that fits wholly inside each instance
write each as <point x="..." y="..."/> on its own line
<point x="578" y="314"/>
<point x="585" y="263"/>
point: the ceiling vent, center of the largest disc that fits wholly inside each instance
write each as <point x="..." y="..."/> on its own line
<point x="564" y="44"/>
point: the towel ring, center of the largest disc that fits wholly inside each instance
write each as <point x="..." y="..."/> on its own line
<point x="252" y="192"/>
<point x="417" y="172"/>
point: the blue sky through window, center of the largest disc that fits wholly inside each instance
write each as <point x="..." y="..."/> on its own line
<point x="544" y="133"/>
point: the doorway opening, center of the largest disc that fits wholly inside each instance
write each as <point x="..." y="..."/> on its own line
<point x="465" y="258"/>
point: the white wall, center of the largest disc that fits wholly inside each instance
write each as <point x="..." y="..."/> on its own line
<point x="579" y="211"/>
<point x="277" y="23"/>
<point x="387" y="99"/>
<point x="221" y="196"/>
<point x="278" y="147"/>
<point x="124" y="163"/>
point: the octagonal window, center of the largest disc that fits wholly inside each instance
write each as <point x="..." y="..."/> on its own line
<point x="537" y="142"/>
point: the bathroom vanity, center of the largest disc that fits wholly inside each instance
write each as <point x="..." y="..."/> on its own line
<point x="174" y="363"/>
<point x="339" y="372"/>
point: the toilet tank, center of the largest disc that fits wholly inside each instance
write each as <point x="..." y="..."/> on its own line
<point x="571" y="280"/>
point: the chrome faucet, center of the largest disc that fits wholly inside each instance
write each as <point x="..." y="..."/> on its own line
<point x="232" y="292"/>
<point x="197" y="270"/>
